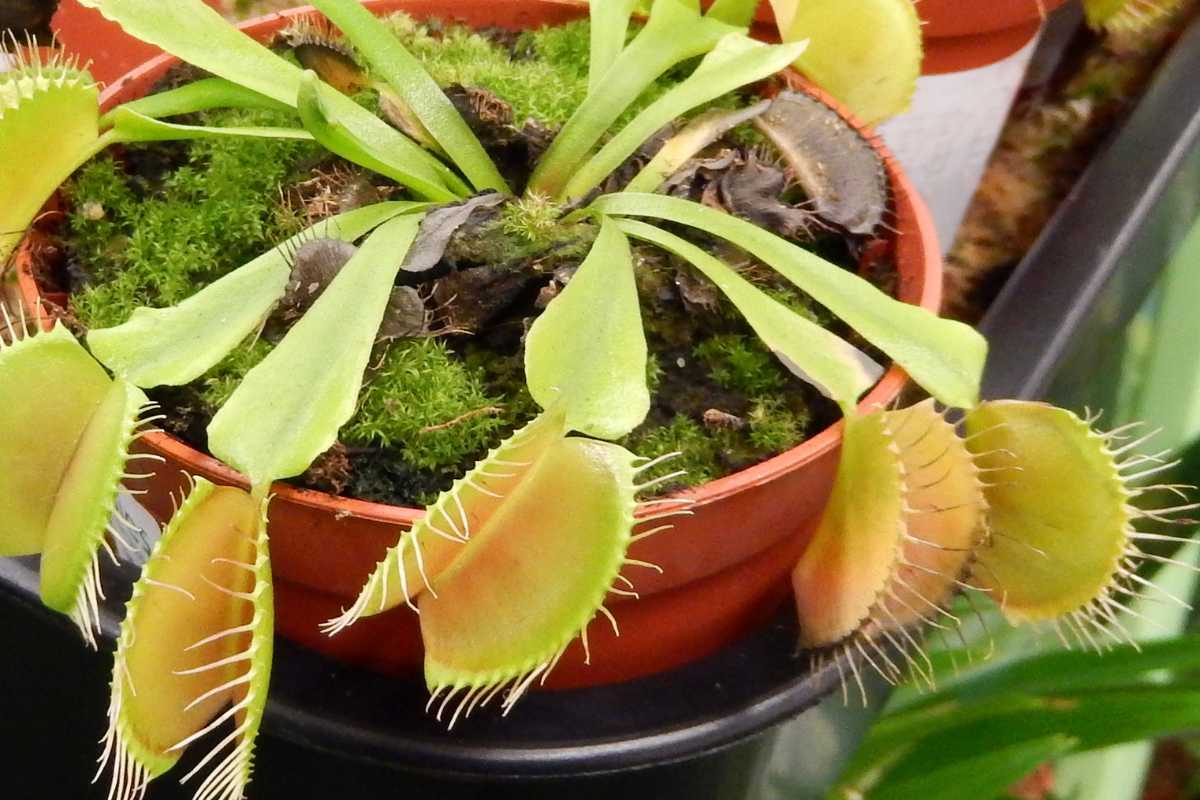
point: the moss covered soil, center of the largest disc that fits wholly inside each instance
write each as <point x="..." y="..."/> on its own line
<point x="150" y="225"/>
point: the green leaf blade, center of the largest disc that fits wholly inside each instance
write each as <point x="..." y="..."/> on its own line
<point x="674" y="33"/>
<point x="197" y="34"/>
<point x="943" y="356"/>
<point x="174" y="346"/>
<point x="329" y="130"/>
<point x="201" y="95"/>
<point x="836" y="368"/>
<point x="587" y="351"/>
<point x="420" y="92"/>
<point x="736" y="62"/>
<point x="609" y="26"/>
<point x="290" y="407"/>
<point x="986" y="774"/>
<point x="130" y="126"/>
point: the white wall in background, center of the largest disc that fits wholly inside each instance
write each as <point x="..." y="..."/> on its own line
<point x="944" y="141"/>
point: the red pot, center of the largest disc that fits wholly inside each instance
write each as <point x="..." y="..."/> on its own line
<point x="967" y="34"/>
<point x="111" y="51"/>
<point x="724" y="569"/>
<point x="960" y="34"/>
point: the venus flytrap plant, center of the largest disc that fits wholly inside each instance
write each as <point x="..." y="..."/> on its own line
<point x="199" y="35"/>
<point x="943" y="356"/>
<point x="405" y="75"/>
<point x="172" y="346"/>
<point x="892" y="546"/>
<point x="736" y="61"/>
<point x="59" y="488"/>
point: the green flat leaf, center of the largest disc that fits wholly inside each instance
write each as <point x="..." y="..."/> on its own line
<point x="866" y="53"/>
<point x="173" y="346"/>
<point x="587" y="351"/>
<point x="675" y="32"/>
<point x="984" y="775"/>
<point x="1064" y="671"/>
<point x="130" y="126"/>
<point x="327" y="129"/>
<point x="1095" y="718"/>
<point x="201" y="95"/>
<point x="49" y="127"/>
<point x="609" y="27"/>
<point x="395" y="65"/>
<point x="736" y="61"/>
<point x="735" y="12"/>
<point x="943" y="356"/>
<point x="836" y="368"/>
<point x="289" y="408"/>
<point x="196" y="33"/>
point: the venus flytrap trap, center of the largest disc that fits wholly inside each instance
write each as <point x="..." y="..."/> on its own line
<point x="1127" y="15"/>
<point x="892" y="546"/>
<point x="1078" y="584"/>
<point x="194" y="650"/>
<point x="49" y="113"/>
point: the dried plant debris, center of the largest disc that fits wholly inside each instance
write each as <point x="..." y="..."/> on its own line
<point x="839" y="168"/>
<point x="754" y="191"/>
<point x="437" y="229"/>
<point x="314" y="266"/>
<point x="469" y="299"/>
<point x="1047" y="143"/>
<point x="406" y="315"/>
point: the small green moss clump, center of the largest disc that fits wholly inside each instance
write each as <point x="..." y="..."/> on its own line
<point x="547" y="88"/>
<point x="741" y="364"/>
<point x="155" y="238"/>
<point x="429" y="405"/>
<point x="774" y="426"/>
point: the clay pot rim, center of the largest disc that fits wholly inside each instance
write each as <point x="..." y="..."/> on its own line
<point x="925" y="291"/>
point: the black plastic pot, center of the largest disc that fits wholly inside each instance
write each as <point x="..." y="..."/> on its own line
<point x="699" y="732"/>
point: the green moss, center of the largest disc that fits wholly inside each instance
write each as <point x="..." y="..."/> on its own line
<point x="156" y="238"/>
<point x="419" y="386"/>
<point x="547" y="91"/>
<point x="774" y="426"/>
<point x="741" y="364"/>
<point x="699" y="451"/>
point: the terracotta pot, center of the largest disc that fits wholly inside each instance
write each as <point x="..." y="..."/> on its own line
<point x="960" y="34"/>
<point x="110" y="50"/>
<point x="723" y="569"/>
<point x="968" y="34"/>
